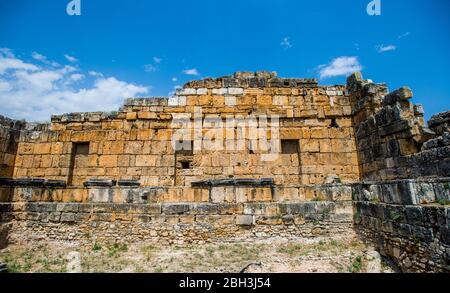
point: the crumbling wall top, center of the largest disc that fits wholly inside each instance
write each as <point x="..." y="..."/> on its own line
<point x="11" y="123"/>
<point x="259" y="79"/>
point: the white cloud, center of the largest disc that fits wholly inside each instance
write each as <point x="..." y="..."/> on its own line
<point x="43" y="59"/>
<point x="174" y="79"/>
<point x="6" y="52"/>
<point x="286" y="43"/>
<point x="70" y="58"/>
<point x="77" y="76"/>
<point x="30" y="92"/>
<point x="150" y="68"/>
<point x="4" y="86"/>
<point x="39" y="81"/>
<point x="153" y="67"/>
<point x="38" y="56"/>
<point x="383" y="48"/>
<point x="192" y="71"/>
<point x="340" y="66"/>
<point x="95" y="74"/>
<point x="9" y="62"/>
<point x="404" y="35"/>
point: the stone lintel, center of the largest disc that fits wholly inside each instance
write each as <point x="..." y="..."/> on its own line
<point x="263" y="182"/>
<point x="100" y="183"/>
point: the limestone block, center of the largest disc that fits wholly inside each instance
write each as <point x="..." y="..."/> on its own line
<point x="235" y="91"/>
<point x="230" y="100"/>
<point x="218" y="101"/>
<point x="267" y="209"/>
<point x="290" y="113"/>
<point x="186" y="92"/>
<point x="145" y="135"/>
<point x="442" y="191"/>
<point x="220" y="91"/>
<point x="291" y="133"/>
<point x="131" y="116"/>
<point x="264" y="100"/>
<point x="402" y="94"/>
<point x="321" y="132"/>
<point x="133" y="147"/>
<point x="280" y="100"/>
<point x="147" y="115"/>
<point x="146" y="160"/>
<point x="202" y="91"/>
<point x="42" y="148"/>
<point x="108" y="161"/>
<point x="325" y="146"/>
<point x="407" y="147"/>
<point x="341" y="193"/>
<point x="173" y="101"/>
<point x="25" y="148"/>
<point x="344" y="122"/>
<point x="67" y="217"/>
<point x="309" y="145"/>
<point x="175" y="209"/>
<point x="305" y="113"/>
<point x="101" y="195"/>
<point x="246" y="101"/>
<point x="112" y="148"/>
<point x="218" y="194"/>
<point x="424" y="192"/>
<point x="182" y="101"/>
<point x="57" y="148"/>
<point x="245" y="220"/>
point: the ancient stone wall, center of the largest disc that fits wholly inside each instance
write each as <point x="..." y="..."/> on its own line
<point x="238" y="158"/>
<point x="175" y="223"/>
<point x="314" y="137"/>
<point x="407" y="221"/>
<point x="392" y="139"/>
<point x="9" y="139"/>
<point x="401" y="203"/>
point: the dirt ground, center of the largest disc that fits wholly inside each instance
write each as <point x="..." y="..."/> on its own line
<point x="317" y="256"/>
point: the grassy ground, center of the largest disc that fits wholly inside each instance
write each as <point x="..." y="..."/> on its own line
<point x="319" y="256"/>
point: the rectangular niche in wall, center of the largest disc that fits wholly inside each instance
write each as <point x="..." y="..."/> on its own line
<point x="78" y="163"/>
<point x="289" y="147"/>
<point x="184" y="157"/>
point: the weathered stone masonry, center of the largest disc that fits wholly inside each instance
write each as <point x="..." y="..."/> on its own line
<point x="117" y="177"/>
<point x="405" y="167"/>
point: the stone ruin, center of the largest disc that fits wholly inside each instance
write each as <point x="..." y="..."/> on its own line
<point x="245" y="157"/>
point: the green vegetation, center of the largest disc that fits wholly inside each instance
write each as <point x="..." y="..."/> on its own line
<point x="395" y="216"/>
<point x="447" y="186"/>
<point x="96" y="247"/>
<point x="443" y="202"/>
<point x="356" y="265"/>
<point x="116" y="249"/>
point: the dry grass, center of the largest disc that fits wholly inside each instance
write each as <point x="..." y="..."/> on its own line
<point x="316" y="256"/>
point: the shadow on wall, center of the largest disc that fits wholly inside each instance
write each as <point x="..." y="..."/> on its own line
<point x="4" y="231"/>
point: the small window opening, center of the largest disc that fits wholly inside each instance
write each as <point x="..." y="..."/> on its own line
<point x="289" y="147"/>
<point x="185" y="165"/>
<point x="334" y="123"/>
<point x="81" y="149"/>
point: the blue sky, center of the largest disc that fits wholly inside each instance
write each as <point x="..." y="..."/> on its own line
<point x="61" y="63"/>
